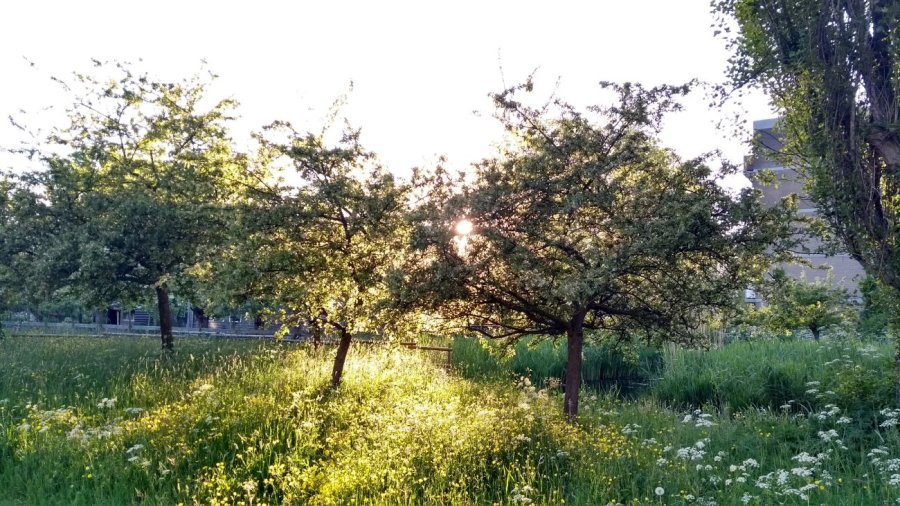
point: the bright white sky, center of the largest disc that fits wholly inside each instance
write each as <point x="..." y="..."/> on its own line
<point x="421" y="70"/>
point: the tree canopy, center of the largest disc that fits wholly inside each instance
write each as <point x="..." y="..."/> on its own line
<point x="800" y="304"/>
<point x="583" y="226"/>
<point x="832" y="69"/>
<point x="133" y="190"/>
<point x="317" y="251"/>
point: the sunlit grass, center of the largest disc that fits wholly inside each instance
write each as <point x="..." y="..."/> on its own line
<point x="112" y="421"/>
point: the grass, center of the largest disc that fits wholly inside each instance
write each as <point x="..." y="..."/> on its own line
<point x="111" y="421"/>
<point x="543" y="360"/>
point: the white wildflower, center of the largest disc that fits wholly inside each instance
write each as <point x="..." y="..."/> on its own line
<point x="107" y="403"/>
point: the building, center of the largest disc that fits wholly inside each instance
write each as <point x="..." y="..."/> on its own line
<point x="841" y="268"/>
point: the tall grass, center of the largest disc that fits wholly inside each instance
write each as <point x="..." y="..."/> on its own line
<point x="111" y="421"/>
<point x="771" y="374"/>
<point x="541" y="360"/>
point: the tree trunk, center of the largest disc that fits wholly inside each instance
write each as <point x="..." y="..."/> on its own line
<point x="816" y="332"/>
<point x="339" y="359"/>
<point x="575" y="342"/>
<point x="165" y="317"/>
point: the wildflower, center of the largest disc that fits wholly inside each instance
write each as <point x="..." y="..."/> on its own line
<point x="133" y="411"/>
<point x="690" y="453"/>
<point x="802" y="472"/>
<point x="107" y="403"/>
<point x="782" y="478"/>
<point x="844" y="420"/>
<point x="746" y="498"/>
<point x="135" y="448"/>
<point x="630" y="428"/>
<point x="805" y="458"/>
<point x="660" y="491"/>
<point x="828" y="436"/>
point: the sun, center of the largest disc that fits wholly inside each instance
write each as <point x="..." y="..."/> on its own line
<point x="464" y="227"/>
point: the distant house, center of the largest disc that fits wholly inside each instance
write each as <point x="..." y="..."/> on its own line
<point x="843" y="270"/>
<point x="116" y="315"/>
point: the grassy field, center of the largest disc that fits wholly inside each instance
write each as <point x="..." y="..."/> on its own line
<point x="111" y="421"/>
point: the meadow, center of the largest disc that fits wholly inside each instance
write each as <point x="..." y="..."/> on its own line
<point x="113" y="421"/>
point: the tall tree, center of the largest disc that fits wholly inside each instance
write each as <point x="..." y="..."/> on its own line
<point x="137" y="187"/>
<point x="318" y="251"/>
<point x="584" y="227"/>
<point x="832" y="69"/>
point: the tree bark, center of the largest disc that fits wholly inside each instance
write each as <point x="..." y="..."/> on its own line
<point x="339" y="359"/>
<point x="165" y="317"/>
<point x="575" y="342"/>
<point x="816" y="332"/>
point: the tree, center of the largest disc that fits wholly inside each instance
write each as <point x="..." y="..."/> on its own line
<point x="27" y="277"/>
<point x="799" y="304"/>
<point x="585" y="227"/>
<point x="136" y="189"/>
<point x="319" y="252"/>
<point x="832" y="69"/>
<point x="880" y="315"/>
